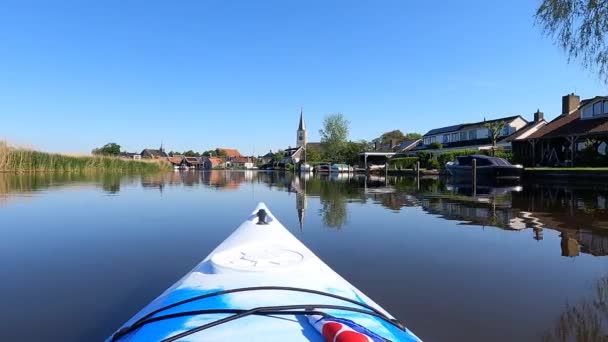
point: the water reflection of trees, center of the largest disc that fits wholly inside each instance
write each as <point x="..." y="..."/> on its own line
<point x="578" y="211"/>
<point x="31" y="182"/>
<point x="586" y="321"/>
<point x="334" y="195"/>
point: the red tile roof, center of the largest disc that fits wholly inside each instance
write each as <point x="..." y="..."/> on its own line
<point x="230" y="152"/>
<point x="572" y="124"/>
<point x="215" y="161"/>
<point x="240" y="160"/>
<point x="176" y="160"/>
<point x="192" y="160"/>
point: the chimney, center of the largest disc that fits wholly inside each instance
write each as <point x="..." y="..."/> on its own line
<point x="570" y="103"/>
<point x="376" y="145"/>
<point x="538" y="116"/>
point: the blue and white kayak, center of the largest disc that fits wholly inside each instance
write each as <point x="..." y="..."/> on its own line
<point x="262" y="284"/>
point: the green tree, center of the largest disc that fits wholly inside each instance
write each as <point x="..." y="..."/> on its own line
<point x="350" y="151"/>
<point x="278" y="156"/>
<point x="334" y="135"/>
<point x="412" y="136"/>
<point x="220" y="153"/>
<point x="191" y="153"/>
<point x="392" y="135"/>
<point x="435" y="145"/>
<point x="494" y="130"/>
<point x="208" y="153"/>
<point x="579" y="27"/>
<point x="313" y="155"/>
<point x="109" y="149"/>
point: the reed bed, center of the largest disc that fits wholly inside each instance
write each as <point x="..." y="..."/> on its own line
<point x="24" y="160"/>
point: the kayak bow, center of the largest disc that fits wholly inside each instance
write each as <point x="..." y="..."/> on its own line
<point x="262" y="284"/>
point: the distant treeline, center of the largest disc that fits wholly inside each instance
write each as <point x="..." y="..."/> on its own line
<point x="23" y="160"/>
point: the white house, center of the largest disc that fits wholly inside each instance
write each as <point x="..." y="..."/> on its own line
<point x="476" y="135"/>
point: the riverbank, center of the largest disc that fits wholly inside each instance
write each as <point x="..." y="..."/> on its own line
<point x="18" y="160"/>
<point x="567" y="173"/>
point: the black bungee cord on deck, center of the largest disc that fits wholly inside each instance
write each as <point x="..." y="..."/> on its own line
<point x="238" y="313"/>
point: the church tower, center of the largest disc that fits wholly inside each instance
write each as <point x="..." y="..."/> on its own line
<point x="301" y="138"/>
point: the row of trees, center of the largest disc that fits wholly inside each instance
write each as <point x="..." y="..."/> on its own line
<point x="109" y="149"/>
<point x="208" y="153"/>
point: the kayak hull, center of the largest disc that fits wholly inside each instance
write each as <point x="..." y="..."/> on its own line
<point x="257" y="255"/>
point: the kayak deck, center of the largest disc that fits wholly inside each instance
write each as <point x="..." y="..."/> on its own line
<point x="260" y="255"/>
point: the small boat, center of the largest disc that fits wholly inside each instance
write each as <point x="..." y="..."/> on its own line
<point x="305" y="168"/>
<point x="341" y="168"/>
<point x="322" y="168"/>
<point x="488" y="168"/>
<point x="262" y="284"/>
<point x="376" y="167"/>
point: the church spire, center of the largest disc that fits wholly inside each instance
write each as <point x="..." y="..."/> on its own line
<point x="301" y="126"/>
<point x="301" y="134"/>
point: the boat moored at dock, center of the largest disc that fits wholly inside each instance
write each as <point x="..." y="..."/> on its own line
<point x="341" y="168"/>
<point x="488" y="168"/>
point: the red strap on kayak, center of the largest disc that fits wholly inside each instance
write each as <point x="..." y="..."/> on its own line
<point x="336" y="329"/>
<point x="337" y="332"/>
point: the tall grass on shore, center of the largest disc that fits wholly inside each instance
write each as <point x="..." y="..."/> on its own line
<point x="23" y="160"/>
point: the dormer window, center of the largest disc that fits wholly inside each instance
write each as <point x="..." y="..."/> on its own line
<point x="599" y="108"/>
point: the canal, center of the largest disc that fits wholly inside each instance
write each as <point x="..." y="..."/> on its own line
<point x="81" y="254"/>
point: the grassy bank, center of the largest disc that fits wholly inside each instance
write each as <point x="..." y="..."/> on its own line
<point x="23" y="160"/>
<point x="567" y="169"/>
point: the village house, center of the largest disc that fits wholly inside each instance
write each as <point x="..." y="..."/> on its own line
<point x="209" y="163"/>
<point x="193" y="162"/>
<point x="395" y="145"/>
<point x="578" y="136"/>
<point x="149" y="153"/>
<point x="242" y="162"/>
<point x="130" y="155"/>
<point x="176" y="160"/>
<point x="267" y="158"/>
<point x="476" y="135"/>
<point x="293" y="155"/>
<point x="228" y="153"/>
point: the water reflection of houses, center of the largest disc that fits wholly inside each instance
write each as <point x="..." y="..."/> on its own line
<point x="579" y="211"/>
<point x="489" y="207"/>
<point x="223" y="180"/>
<point x="580" y="218"/>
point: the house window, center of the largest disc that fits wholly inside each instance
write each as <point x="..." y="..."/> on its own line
<point x="427" y="140"/>
<point x="597" y="109"/>
<point x="463" y="136"/>
<point x="473" y="134"/>
<point x="446" y="138"/>
<point x="588" y="112"/>
<point x="605" y="107"/>
<point x="454" y="137"/>
<point x="433" y="139"/>
<point x="505" y="131"/>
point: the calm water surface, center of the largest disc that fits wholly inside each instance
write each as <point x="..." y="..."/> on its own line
<point x="81" y="254"/>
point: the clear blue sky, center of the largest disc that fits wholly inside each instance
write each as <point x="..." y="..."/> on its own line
<point x="201" y="74"/>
